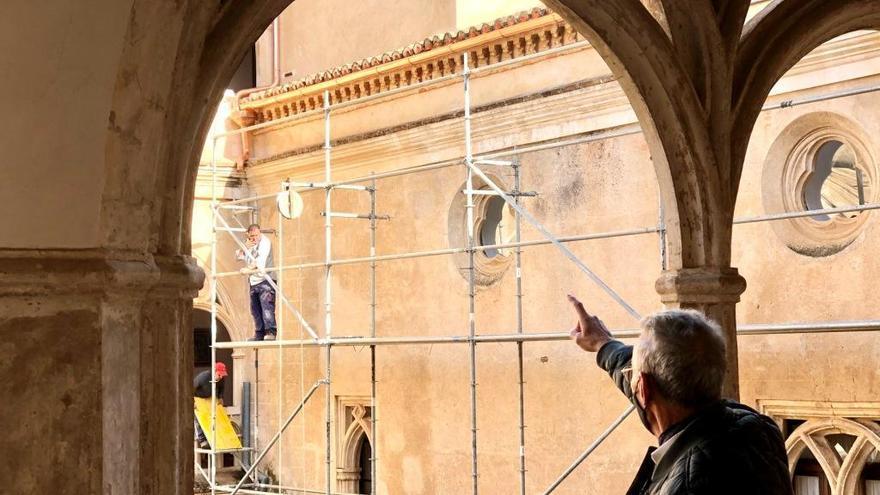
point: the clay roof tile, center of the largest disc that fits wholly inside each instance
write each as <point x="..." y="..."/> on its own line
<point x="392" y="55"/>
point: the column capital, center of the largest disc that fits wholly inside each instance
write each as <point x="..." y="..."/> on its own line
<point x="699" y="286"/>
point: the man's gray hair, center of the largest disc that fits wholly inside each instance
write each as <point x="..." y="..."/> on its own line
<point x="685" y="354"/>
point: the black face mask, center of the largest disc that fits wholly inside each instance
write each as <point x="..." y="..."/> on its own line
<point x="643" y="414"/>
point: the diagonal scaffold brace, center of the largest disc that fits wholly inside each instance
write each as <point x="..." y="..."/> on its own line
<point x="550" y="237"/>
<point x="277" y="436"/>
<point x="593" y="446"/>
<point x="595" y="278"/>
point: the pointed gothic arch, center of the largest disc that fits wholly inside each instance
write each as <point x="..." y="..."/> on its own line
<point x="357" y="435"/>
<point x="843" y="474"/>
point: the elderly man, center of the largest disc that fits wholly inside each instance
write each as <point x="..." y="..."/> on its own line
<point x="673" y="375"/>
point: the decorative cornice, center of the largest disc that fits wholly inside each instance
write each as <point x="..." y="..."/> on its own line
<point x="582" y="108"/>
<point x="506" y="39"/>
<point x="595" y="84"/>
<point x="799" y="409"/>
<point x="97" y="272"/>
<point x="850" y="48"/>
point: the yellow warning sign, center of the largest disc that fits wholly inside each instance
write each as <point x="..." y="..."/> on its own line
<point x="227" y="439"/>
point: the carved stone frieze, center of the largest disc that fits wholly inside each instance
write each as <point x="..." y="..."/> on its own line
<point x="508" y="39"/>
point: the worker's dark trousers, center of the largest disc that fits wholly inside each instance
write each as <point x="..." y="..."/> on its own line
<point x="200" y="435"/>
<point x="263" y="309"/>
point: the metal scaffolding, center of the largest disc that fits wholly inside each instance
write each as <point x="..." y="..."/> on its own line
<point x="250" y="482"/>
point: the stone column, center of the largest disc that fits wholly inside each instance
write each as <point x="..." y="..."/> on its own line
<point x="348" y="479"/>
<point x="715" y="292"/>
<point x="96" y="357"/>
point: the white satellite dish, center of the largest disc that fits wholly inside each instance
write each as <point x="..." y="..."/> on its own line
<point x="290" y="204"/>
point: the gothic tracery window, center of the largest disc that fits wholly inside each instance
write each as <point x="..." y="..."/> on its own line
<point x="831" y="455"/>
<point x="355" y="434"/>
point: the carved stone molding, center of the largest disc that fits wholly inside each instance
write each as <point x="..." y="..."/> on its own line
<point x="82" y="272"/>
<point x="798" y="409"/>
<point x="707" y="285"/>
<point x="842" y="468"/>
<point x="487" y="270"/>
<point x="842" y="471"/>
<point x="538" y="32"/>
<point x="791" y="161"/>
<point x="354" y="424"/>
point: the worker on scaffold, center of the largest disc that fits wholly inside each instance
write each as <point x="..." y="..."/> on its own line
<point x="258" y="256"/>
<point x="202" y="389"/>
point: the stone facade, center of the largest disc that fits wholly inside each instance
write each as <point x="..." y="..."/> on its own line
<point x="603" y="181"/>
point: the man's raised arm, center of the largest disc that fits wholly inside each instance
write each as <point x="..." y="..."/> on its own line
<point x="613" y="356"/>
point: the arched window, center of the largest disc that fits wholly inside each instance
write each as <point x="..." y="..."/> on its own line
<point x="820" y="161"/>
<point x="494" y="224"/>
<point x="354" y="472"/>
<point x="835" y="456"/>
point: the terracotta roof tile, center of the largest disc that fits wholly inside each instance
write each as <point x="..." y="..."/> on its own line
<point x="426" y="44"/>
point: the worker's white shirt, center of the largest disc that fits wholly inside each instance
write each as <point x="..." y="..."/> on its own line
<point x="261" y="256"/>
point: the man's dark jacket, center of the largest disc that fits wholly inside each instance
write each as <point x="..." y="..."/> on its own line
<point x="726" y="448"/>
<point x="202" y="385"/>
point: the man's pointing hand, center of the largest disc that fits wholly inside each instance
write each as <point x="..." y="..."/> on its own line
<point x="589" y="333"/>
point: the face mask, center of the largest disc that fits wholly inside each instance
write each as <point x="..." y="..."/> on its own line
<point x="643" y="414"/>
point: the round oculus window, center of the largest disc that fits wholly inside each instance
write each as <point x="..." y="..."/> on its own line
<point x="821" y="161"/>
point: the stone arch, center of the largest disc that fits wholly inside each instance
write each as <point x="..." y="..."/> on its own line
<point x="165" y="95"/>
<point x="349" y="463"/>
<point x="201" y="313"/>
<point x="223" y="316"/>
<point x="169" y="64"/>
<point x="677" y="83"/>
<point x="776" y="39"/>
<point x="842" y="476"/>
<point x="225" y="301"/>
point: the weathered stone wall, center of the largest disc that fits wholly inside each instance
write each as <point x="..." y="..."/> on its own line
<point x="38" y="215"/>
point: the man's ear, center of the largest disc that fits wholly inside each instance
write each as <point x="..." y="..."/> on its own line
<point x="645" y="391"/>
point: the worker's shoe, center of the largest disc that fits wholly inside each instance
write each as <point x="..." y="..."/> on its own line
<point x="203" y="444"/>
<point x="269" y="336"/>
<point x="259" y="336"/>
